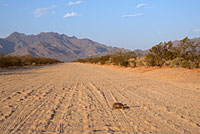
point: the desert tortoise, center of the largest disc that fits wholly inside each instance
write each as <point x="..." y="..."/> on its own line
<point x="118" y="105"/>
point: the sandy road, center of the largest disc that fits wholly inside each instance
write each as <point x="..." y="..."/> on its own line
<point x="77" y="98"/>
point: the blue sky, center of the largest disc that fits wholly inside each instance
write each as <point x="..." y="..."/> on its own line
<point x="131" y="24"/>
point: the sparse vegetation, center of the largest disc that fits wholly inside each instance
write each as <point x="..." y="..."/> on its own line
<point x="125" y="59"/>
<point x="28" y="60"/>
<point x="186" y="55"/>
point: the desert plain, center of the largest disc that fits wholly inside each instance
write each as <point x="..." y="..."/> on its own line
<point x="73" y="98"/>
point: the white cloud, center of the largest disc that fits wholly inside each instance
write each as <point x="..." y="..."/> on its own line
<point x="196" y="30"/>
<point x="3" y="5"/>
<point x="141" y="5"/>
<point x="42" y="11"/>
<point x="71" y="3"/>
<point x="132" y="15"/>
<point x="72" y="14"/>
<point x="145" y="5"/>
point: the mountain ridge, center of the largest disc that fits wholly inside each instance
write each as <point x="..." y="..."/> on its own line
<point x="53" y="45"/>
<point x="61" y="46"/>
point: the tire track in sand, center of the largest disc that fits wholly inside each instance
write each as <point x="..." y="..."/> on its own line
<point x="102" y="99"/>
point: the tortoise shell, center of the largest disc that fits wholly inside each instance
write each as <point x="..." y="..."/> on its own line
<point x="118" y="105"/>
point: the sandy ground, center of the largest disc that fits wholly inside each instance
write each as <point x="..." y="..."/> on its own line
<point x="77" y="98"/>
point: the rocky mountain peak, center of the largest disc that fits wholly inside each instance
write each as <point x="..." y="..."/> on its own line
<point x="53" y="45"/>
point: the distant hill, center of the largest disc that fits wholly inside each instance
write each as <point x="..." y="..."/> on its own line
<point x="53" y="45"/>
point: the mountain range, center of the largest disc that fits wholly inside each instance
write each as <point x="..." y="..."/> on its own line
<point x="53" y="45"/>
<point x="60" y="46"/>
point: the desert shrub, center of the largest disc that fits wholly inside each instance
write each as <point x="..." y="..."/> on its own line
<point x="186" y="55"/>
<point x="10" y="61"/>
<point x="94" y="60"/>
<point x="140" y="62"/>
<point x="180" y="62"/>
<point x="116" y="60"/>
<point x="15" y="61"/>
<point x="150" y="59"/>
<point x="7" y="61"/>
<point x="3" y="62"/>
<point x="124" y="63"/>
<point x="175" y="62"/>
<point x="104" y="59"/>
<point x="81" y="60"/>
<point x="189" y="64"/>
<point x="132" y="63"/>
<point x="192" y="65"/>
<point x="185" y="64"/>
<point x="121" y="59"/>
<point x="159" y="54"/>
<point x="165" y="54"/>
<point x="28" y="60"/>
<point x="129" y="55"/>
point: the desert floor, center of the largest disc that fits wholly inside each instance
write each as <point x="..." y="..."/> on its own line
<point x="77" y="98"/>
